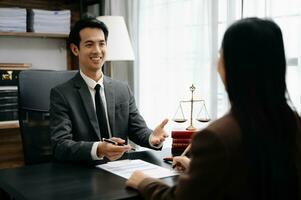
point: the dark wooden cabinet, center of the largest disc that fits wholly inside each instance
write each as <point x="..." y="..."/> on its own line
<point x="11" y="154"/>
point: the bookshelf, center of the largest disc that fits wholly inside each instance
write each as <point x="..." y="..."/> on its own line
<point x="11" y="154"/>
<point x="74" y="6"/>
<point x="34" y="35"/>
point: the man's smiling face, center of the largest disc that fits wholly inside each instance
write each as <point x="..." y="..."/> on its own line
<point x="92" y="49"/>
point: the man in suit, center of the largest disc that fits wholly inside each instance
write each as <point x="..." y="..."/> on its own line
<point x="92" y="106"/>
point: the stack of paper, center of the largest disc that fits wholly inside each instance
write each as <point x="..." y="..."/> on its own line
<point x="12" y="20"/>
<point x="125" y="168"/>
<point x="45" y="21"/>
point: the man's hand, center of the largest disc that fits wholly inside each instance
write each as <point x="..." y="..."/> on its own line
<point x="159" y="134"/>
<point x="111" y="151"/>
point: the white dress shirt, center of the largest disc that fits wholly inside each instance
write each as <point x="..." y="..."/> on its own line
<point x="91" y="85"/>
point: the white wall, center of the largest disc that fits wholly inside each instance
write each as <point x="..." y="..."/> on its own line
<point x="42" y="53"/>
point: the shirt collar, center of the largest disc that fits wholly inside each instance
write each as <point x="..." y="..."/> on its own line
<point x="90" y="82"/>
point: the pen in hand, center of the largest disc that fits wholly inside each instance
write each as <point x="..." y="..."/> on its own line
<point x="112" y="142"/>
<point x="183" y="154"/>
<point x="115" y="143"/>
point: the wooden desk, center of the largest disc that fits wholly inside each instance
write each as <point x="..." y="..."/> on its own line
<point x="66" y="181"/>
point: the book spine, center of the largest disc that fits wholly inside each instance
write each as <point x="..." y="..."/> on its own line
<point x="181" y="140"/>
<point x="179" y="134"/>
<point x="179" y="145"/>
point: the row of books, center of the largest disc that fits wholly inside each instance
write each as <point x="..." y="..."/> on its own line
<point x="34" y="20"/>
<point x="180" y="140"/>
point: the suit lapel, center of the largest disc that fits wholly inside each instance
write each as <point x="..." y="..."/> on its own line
<point x="110" y="99"/>
<point x="85" y="95"/>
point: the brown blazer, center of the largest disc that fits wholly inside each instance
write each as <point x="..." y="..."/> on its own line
<point x="217" y="169"/>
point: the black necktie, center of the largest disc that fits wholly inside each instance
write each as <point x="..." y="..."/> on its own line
<point x="101" y="114"/>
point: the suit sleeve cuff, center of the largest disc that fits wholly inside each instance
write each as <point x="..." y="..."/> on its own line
<point x="94" y="152"/>
<point x="159" y="146"/>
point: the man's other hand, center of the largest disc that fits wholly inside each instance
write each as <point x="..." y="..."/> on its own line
<point x="159" y="135"/>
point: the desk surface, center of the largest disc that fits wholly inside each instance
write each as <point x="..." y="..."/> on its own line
<point x="67" y="181"/>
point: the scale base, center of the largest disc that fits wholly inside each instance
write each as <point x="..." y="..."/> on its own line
<point x="191" y="128"/>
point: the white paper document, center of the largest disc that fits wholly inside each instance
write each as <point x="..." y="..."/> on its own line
<point x="125" y="168"/>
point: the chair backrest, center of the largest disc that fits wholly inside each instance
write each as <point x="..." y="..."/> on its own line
<point x="33" y="100"/>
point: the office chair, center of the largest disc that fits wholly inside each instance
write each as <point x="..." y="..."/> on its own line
<point x="33" y="106"/>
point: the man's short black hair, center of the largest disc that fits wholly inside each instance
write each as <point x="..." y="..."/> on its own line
<point x="88" y="22"/>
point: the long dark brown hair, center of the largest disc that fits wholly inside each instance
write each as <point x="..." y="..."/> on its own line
<point x="255" y="68"/>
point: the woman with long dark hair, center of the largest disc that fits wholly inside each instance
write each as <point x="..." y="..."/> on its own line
<point x="253" y="152"/>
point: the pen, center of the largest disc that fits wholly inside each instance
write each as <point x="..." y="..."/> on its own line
<point x="183" y="154"/>
<point x="168" y="160"/>
<point x="115" y="143"/>
<point x="111" y="141"/>
<point x="186" y="150"/>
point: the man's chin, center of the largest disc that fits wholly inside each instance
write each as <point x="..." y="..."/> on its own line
<point x="95" y="67"/>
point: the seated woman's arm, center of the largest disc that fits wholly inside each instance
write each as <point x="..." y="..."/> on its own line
<point x="204" y="177"/>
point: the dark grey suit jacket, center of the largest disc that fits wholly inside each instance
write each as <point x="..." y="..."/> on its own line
<point x="73" y="121"/>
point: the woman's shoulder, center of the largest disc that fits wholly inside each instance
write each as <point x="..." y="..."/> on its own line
<point x="226" y="124"/>
<point x="225" y="129"/>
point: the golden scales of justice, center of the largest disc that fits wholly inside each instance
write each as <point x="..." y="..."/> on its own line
<point x="202" y="116"/>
